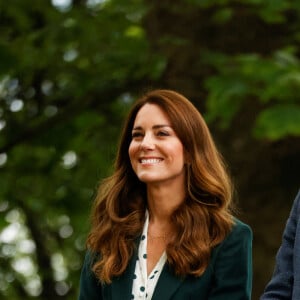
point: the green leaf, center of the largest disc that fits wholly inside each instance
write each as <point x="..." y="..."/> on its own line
<point x="278" y="122"/>
<point x="225" y="98"/>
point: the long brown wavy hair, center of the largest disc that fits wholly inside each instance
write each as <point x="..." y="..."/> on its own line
<point x="203" y="219"/>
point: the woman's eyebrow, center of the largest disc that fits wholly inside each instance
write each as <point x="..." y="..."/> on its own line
<point x="161" y="126"/>
<point x="153" y="127"/>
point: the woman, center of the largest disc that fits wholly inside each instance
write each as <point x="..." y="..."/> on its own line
<point x="162" y="226"/>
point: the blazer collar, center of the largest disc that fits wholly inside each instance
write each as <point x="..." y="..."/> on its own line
<point x="167" y="284"/>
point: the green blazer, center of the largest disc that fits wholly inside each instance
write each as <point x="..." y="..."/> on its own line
<point x="228" y="276"/>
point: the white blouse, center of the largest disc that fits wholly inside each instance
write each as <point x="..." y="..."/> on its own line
<point x="143" y="285"/>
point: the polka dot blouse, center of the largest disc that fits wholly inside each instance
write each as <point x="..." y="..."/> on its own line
<point x="143" y="285"/>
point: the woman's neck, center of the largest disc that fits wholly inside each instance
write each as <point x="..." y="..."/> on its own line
<point x="162" y="202"/>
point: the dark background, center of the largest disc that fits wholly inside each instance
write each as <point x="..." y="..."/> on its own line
<point x="69" y="71"/>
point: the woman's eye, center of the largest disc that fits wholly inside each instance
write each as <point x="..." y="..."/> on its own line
<point x="136" y="134"/>
<point x="163" y="133"/>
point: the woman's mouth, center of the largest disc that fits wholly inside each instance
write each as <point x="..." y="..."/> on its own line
<point x="150" y="160"/>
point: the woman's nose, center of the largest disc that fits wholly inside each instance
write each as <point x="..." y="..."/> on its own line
<point x="147" y="143"/>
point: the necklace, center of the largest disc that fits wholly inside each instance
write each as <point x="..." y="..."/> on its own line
<point x="153" y="237"/>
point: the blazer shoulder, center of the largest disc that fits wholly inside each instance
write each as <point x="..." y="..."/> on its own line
<point x="240" y="234"/>
<point x="231" y="263"/>
<point x="240" y="237"/>
<point x="296" y="204"/>
<point x="89" y="286"/>
<point x="241" y="227"/>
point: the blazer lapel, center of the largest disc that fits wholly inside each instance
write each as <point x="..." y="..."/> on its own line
<point x="167" y="284"/>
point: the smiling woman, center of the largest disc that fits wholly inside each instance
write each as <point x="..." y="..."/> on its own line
<point x="156" y="153"/>
<point x="168" y="205"/>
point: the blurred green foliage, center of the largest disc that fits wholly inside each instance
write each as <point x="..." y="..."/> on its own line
<point x="69" y="71"/>
<point x="274" y="81"/>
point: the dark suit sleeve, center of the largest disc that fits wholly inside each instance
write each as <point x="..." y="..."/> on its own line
<point x="90" y="288"/>
<point x="233" y="266"/>
<point x="281" y="283"/>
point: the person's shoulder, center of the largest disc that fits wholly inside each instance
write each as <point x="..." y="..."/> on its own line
<point x="238" y="241"/>
<point x="297" y="201"/>
<point x="239" y="225"/>
<point x="239" y="231"/>
<point x="90" y="258"/>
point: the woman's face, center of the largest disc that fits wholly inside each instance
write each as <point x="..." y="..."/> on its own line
<point x="155" y="151"/>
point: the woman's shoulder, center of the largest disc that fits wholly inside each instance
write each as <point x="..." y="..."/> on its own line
<point x="240" y="227"/>
<point x="238" y="242"/>
<point x="90" y="258"/>
<point x="240" y="230"/>
<point x="240" y="233"/>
